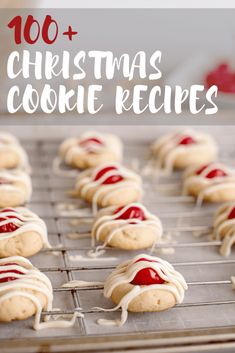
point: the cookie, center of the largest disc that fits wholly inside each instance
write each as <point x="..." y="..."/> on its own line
<point x="12" y="154"/>
<point x="24" y="292"/>
<point x="15" y="188"/>
<point x="224" y="227"/>
<point x="108" y="185"/>
<point x="129" y="227"/>
<point x="22" y="232"/>
<point x="90" y="150"/>
<point x="214" y="182"/>
<point x="143" y="284"/>
<point x="183" y="149"/>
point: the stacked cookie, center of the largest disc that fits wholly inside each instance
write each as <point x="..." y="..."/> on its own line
<point x="24" y="291"/>
<point x="196" y="153"/>
<point x="15" y="191"/>
<point x="15" y="183"/>
<point x="22" y="232"/>
<point x="204" y="178"/>
<point x="12" y="154"/>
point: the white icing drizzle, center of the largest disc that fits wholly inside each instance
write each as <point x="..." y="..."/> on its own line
<point x="149" y="168"/>
<point x="233" y="281"/>
<point x="91" y="258"/>
<point x="26" y="221"/>
<point x="225" y="226"/>
<point x="166" y="239"/>
<point x="73" y="210"/>
<point x="16" y="176"/>
<point x="71" y="146"/>
<point x="32" y="280"/>
<point x="82" y="284"/>
<point x="208" y="185"/>
<point x="135" y="164"/>
<point x="164" y="251"/>
<point x="57" y="170"/>
<point x="9" y="142"/>
<point x="153" y="169"/>
<point x="86" y="182"/>
<point x="109" y="220"/>
<point x="78" y="235"/>
<point x="125" y="273"/>
<point x="167" y="149"/>
<point x="74" y="222"/>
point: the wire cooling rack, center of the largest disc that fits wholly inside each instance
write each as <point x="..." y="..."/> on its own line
<point x="205" y="318"/>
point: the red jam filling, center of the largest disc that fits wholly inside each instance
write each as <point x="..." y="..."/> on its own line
<point x="131" y="212"/>
<point x="92" y="140"/>
<point x="147" y="276"/>
<point x="89" y="143"/>
<point x="223" y="77"/>
<point x="187" y="140"/>
<point x="10" y="278"/>
<point x="215" y="173"/>
<point x="232" y="214"/>
<point x="113" y="179"/>
<point x="9" y="227"/>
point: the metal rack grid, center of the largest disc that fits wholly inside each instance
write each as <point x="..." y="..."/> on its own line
<point x="206" y="314"/>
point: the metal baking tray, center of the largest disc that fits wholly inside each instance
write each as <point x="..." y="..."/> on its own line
<point x="204" y="321"/>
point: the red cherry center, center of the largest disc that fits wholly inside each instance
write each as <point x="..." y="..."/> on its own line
<point x="89" y="142"/>
<point x="113" y="179"/>
<point x="131" y="212"/>
<point x="215" y="173"/>
<point x="187" y="140"/>
<point x="147" y="276"/>
<point x="9" y="227"/>
<point x="232" y="214"/>
<point x="10" y="278"/>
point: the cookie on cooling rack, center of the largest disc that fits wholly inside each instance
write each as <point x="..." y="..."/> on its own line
<point x="213" y="182"/>
<point x="128" y="227"/>
<point x="224" y="227"/>
<point x="183" y="149"/>
<point x="24" y="290"/>
<point x="12" y="154"/>
<point x="91" y="149"/>
<point x="22" y="232"/>
<point x="109" y="184"/>
<point x="144" y="284"/>
<point x="15" y="188"/>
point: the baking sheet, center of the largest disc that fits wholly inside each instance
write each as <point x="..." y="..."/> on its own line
<point x="49" y="190"/>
